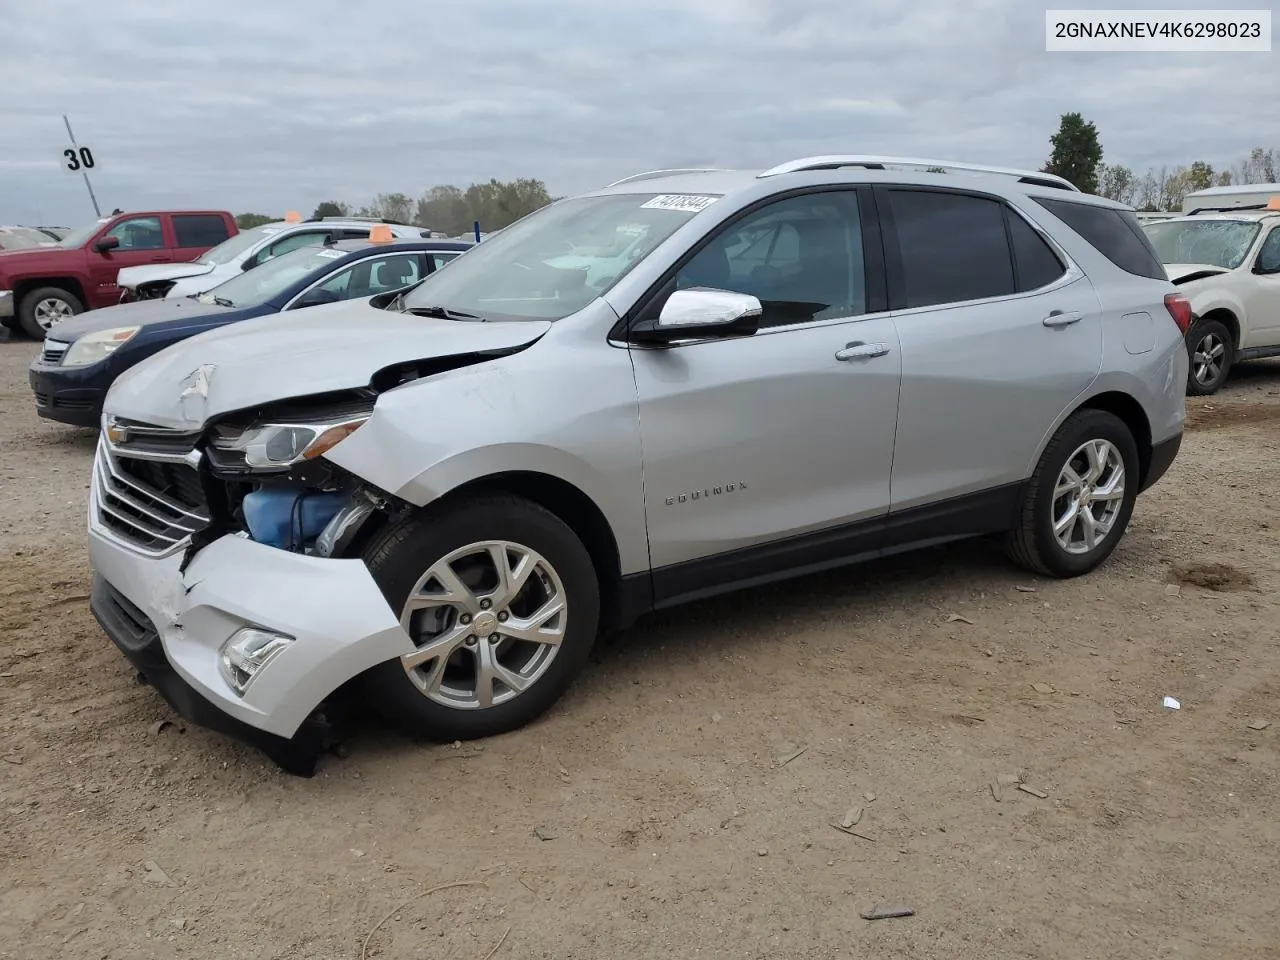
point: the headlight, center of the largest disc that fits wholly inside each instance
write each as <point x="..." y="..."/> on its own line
<point x="278" y="446"/>
<point x="93" y="347"/>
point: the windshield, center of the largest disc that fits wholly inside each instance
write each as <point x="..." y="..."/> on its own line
<point x="232" y="247"/>
<point x="1218" y="243"/>
<point x="80" y="236"/>
<point x="556" y="261"/>
<point x="268" y="281"/>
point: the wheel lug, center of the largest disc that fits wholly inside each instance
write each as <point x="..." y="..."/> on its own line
<point x="503" y="616"/>
<point x="493" y="638"/>
<point x="486" y="604"/>
<point x="465" y="619"/>
<point x="471" y="640"/>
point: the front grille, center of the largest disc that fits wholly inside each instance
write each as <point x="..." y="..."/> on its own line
<point x="53" y="351"/>
<point x="153" y="505"/>
<point x="144" y="438"/>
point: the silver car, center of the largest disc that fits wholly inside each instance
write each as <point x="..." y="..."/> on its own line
<point x="682" y="384"/>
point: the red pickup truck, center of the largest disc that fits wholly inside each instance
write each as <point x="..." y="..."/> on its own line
<point x="41" y="286"/>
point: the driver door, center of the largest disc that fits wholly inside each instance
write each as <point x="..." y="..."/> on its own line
<point x="142" y="241"/>
<point x="1261" y="293"/>
<point x="771" y="452"/>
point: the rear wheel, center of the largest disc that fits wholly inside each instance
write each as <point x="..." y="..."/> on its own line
<point x="42" y="308"/>
<point x="1211" y="349"/>
<point x="502" y="603"/>
<point x="1079" y="500"/>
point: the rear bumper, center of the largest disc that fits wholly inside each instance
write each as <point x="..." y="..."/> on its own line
<point x="1162" y="456"/>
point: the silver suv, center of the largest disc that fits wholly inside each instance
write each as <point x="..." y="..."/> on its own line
<point x="685" y="383"/>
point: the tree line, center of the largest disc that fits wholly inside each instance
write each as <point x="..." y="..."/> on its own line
<point x="1077" y="156"/>
<point x="447" y="209"/>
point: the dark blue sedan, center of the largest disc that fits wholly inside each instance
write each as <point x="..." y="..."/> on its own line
<point x="82" y="356"/>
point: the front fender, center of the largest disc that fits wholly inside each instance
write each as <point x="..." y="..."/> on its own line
<point x="1216" y="297"/>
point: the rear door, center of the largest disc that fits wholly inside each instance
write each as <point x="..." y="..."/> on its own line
<point x="999" y="335"/>
<point x="194" y="233"/>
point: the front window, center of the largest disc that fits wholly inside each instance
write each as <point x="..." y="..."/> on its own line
<point x="264" y="283"/>
<point x="558" y="260"/>
<point x="140" y="233"/>
<point x="81" y="235"/>
<point x="1217" y="243"/>
<point x="232" y="247"/>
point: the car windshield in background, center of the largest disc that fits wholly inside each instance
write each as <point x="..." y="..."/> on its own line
<point x="556" y="261"/>
<point x="232" y="247"/>
<point x="13" y="239"/>
<point x="268" y="281"/>
<point x="1217" y="243"/>
<point x="80" y="236"/>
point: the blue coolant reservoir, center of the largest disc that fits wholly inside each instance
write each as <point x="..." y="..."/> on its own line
<point x="288" y="519"/>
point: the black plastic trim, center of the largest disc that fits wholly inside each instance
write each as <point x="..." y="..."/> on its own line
<point x="972" y="515"/>
<point x="1162" y="457"/>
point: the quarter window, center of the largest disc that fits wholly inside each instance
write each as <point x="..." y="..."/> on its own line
<point x="1034" y="260"/>
<point x="1116" y="234"/>
<point x="800" y="257"/>
<point x="199" y="230"/>
<point x="952" y="246"/>
<point x="139" y="233"/>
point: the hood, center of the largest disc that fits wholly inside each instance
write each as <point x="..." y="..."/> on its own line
<point x="142" y="313"/>
<point x="131" y="277"/>
<point x="32" y="258"/>
<point x="1186" y="272"/>
<point x="332" y="347"/>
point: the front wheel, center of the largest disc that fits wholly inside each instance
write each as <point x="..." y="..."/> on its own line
<point x="502" y="603"/>
<point x="1078" y="502"/>
<point x="1211" y="349"/>
<point x="41" y="309"/>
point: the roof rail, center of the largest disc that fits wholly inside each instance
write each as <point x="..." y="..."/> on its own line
<point x="654" y="174"/>
<point x="834" y="162"/>
<point x="1245" y="207"/>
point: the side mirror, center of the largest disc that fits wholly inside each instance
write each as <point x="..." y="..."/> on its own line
<point x="315" y="297"/>
<point x="107" y="243"/>
<point x="703" y="313"/>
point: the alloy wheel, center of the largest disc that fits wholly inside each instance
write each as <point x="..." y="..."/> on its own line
<point x="1088" y="496"/>
<point x="50" y="310"/>
<point x="1207" y="359"/>
<point x="487" y="621"/>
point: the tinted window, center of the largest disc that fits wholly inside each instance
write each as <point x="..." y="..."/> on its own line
<point x="199" y="230"/>
<point x="1033" y="259"/>
<point x="296" y="241"/>
<point x="139" y="233"/>
<point x="1269" y="255"/>
<point x="1116" y="234"/>
<point x="953" y="247"/>
<point x="801" y="257"/>
<point x="369" y="277"/>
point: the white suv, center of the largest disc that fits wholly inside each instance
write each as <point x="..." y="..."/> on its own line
<point x="1228" y="265"/>
<point x="244" y="251"/>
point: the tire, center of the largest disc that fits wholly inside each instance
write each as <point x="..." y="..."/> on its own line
<point x="1033" y="543"/>
<point x="438" y="705"/>
<point x="1210" y="341"/>
<point x="36" y="304"/>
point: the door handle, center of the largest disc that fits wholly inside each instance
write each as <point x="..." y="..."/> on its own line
<point x="164" y="259"/>
<point x="862" y="351"/>
<point x="1059" y="319"/>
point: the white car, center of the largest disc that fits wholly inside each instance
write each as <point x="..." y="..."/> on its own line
<point x="1228" y="265"/>
<point x="244" y="251"/>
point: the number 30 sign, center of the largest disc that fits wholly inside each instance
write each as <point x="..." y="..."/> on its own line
<point x="77" y="159"/>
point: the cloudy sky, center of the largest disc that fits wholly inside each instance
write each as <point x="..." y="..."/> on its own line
<point x="272" y="105"/>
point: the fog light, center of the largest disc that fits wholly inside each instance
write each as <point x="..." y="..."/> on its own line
<point x="245" y="655"/>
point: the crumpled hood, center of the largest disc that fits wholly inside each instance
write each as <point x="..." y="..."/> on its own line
<point x="131" y="277"/>
<point x="1186" y="272"/>
<point x="336" y="346"/>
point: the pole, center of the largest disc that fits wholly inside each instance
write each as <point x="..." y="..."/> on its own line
<point x="477" y="229"/>
<point x="96" y="210"/>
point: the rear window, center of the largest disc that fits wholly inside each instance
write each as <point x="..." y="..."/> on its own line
<point x="1116" y="234"/>
<point x="199" y="229"/>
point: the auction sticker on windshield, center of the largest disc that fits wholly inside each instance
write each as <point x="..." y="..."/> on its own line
<point x="329" y="254"/>
<point x="679" y="201"/>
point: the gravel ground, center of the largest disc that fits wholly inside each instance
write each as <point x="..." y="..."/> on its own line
<point x="680" y="801"/>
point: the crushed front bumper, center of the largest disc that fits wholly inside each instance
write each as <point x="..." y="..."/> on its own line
<point x="172" y="625"/>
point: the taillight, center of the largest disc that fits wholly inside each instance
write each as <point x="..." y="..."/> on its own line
<point x="1179" y="308"/>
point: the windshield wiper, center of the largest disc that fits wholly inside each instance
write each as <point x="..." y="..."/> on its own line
<point x="223" y="302"/>
<point x="443" y="313"/>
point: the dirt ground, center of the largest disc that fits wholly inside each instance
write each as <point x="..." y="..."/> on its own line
<point x="680" y="801"/>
